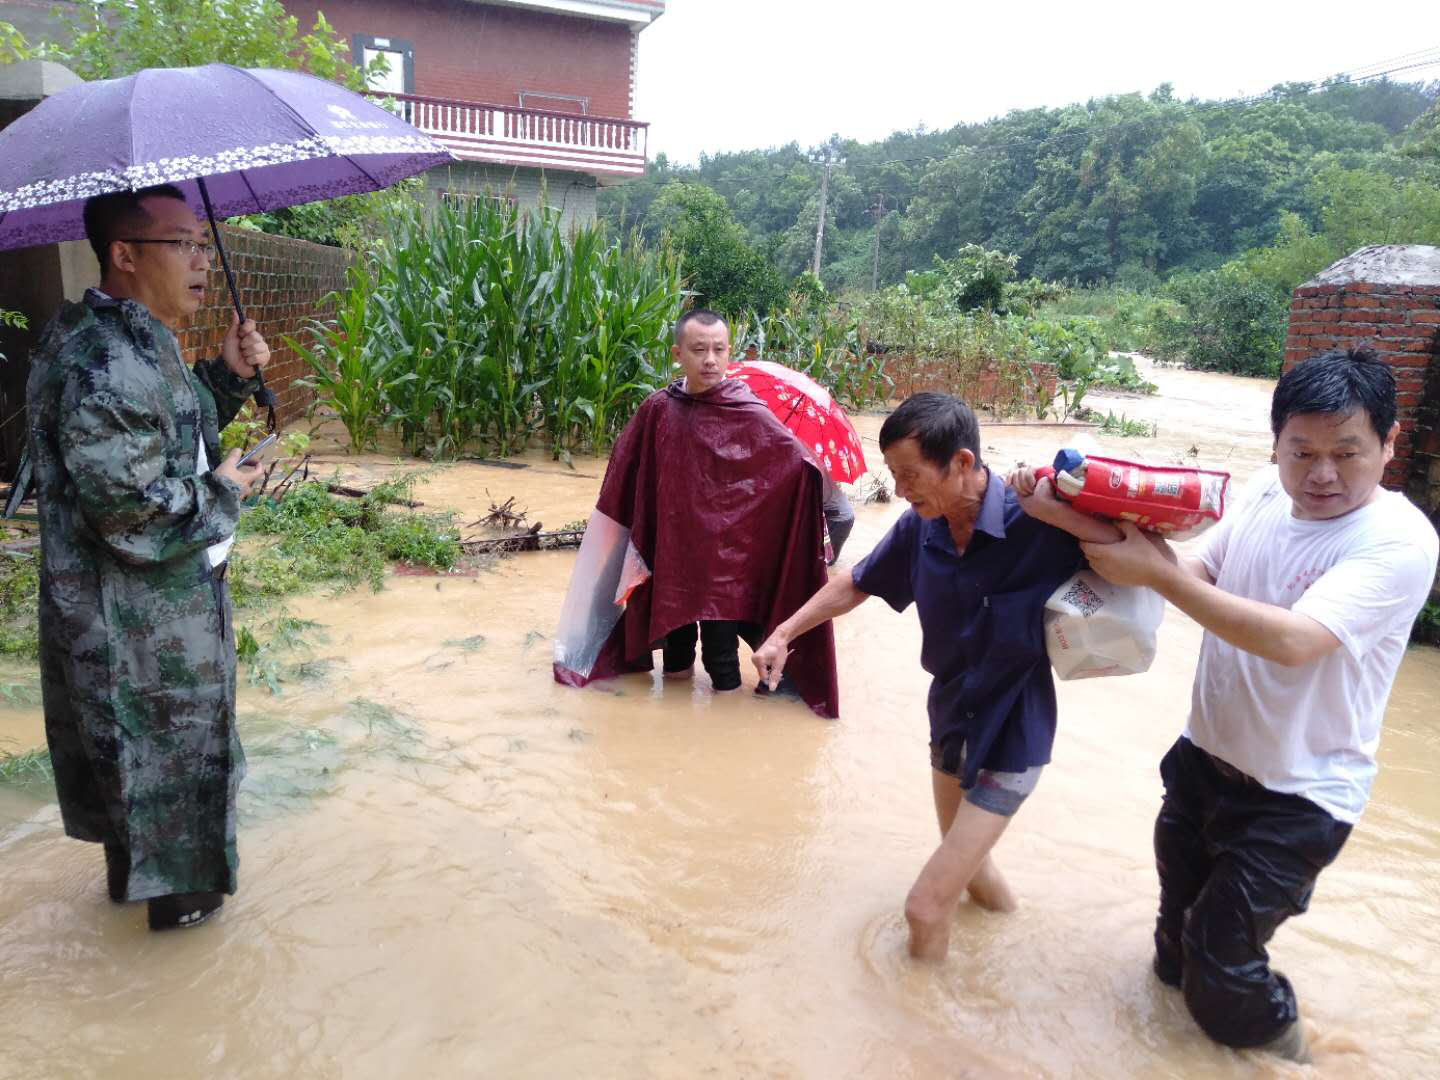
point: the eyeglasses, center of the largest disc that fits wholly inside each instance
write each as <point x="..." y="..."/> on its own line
<point x="187" y="247"/>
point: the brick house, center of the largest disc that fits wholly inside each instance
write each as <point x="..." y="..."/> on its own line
<point x="524" y="92"/>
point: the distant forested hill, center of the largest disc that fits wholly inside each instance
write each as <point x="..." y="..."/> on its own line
<point x="1125" y="188"/>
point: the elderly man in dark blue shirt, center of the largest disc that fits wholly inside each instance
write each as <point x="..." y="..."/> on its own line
<point x="979" y="562"/>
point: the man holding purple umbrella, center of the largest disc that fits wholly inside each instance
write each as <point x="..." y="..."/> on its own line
<point x="137" y="515"/>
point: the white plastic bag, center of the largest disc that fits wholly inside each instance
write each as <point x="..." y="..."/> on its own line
<point x="1093" y="628"/>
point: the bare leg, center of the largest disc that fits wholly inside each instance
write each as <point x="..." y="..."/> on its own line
<point x="964" y="847"/>
<point x="988" y="888"/>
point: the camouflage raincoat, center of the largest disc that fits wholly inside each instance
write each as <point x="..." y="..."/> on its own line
<point x="136" y="651"/>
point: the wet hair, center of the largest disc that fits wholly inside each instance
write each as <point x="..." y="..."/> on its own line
<point x="109" y="217"/>
<point x="1341" y="381"/>
<point x="941" y="423"/>
<point x="704" y="316"/>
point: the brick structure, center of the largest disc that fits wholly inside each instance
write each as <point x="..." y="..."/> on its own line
<point x="1386" y="297"/>
<point x="283" y="283"/>
<point x="985" y="388"/>
<point x="526" y="93"/>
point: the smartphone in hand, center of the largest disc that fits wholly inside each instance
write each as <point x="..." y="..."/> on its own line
<point x="255" y="450"/>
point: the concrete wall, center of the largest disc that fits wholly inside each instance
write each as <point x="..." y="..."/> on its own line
<point x="572" y="193"/>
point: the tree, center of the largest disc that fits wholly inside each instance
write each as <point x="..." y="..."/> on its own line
<point x="120" y="37"/>
<point x="721" y="267"/>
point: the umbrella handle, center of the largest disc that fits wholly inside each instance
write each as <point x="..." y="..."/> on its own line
<point x="264" y="396"/>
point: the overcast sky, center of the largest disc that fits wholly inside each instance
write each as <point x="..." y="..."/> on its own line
<point x="718" y="75"/>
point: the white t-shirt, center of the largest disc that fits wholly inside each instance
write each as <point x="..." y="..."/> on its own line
<point x="1312" y="730"/>
<point x="218" y="552"/>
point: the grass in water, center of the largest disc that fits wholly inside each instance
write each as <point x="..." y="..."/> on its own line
<point x="470" y="644"/>
<point x="24" y="768"/>
<point x="308" y="540"/>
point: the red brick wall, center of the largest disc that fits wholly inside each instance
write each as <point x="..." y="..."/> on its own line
<point x="986" y="388"/>
<point x="282" y="282"/>
<point x="1402" y="324"/>
<point x="482" y="52"/>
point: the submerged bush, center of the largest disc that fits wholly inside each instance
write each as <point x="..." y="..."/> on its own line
<point x="1226" y="320"/>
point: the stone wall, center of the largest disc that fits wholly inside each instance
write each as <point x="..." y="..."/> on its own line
<point x="282" y="283"/>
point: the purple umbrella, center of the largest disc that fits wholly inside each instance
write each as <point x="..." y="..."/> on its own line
<point x="235" y="140"/>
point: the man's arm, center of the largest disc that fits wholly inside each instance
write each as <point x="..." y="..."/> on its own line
<point x="837" y="597"/>
<point x="1270" y="632"/>
<point x="1038" y="500"/>
<point x="234" y="375"/>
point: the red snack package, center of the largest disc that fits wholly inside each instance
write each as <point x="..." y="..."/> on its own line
<point x="1175" y="502"/>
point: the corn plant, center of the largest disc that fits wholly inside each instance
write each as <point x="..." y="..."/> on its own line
<point x="350" y="369"/>
<point x="508" y="326"/>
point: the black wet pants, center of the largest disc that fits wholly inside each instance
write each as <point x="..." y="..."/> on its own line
<point x="719" y="649"/>
<point x="1235" y="861"/>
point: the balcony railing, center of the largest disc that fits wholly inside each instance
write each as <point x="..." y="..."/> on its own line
<point x="510" y="135"/>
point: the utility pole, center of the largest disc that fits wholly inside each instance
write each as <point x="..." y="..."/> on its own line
<point x="820" y="226"/>
<point x="878" y="213"/>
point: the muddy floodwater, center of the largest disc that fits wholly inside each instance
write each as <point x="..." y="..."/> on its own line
<point x="453" y="867"/>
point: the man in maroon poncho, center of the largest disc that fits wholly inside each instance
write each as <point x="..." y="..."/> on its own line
<point x="710" y="513"/>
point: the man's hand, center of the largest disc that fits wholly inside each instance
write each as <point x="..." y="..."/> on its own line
<point x="769" y="659"/>
<point x="1022" y="480"/>
<point x="1037" y="497"/>
<point x="1138" y="559"/>
<point x="242" y="476"/>
<point x="244" y="350"/>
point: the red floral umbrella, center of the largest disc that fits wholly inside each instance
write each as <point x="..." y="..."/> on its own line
<point x="808" y="410"/>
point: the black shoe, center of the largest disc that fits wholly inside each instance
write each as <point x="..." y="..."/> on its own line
<point x="785" y="689"/>
<point x="117" y="871"/>
<point x="183" y="909"/>
<point x="1168" y="971"/>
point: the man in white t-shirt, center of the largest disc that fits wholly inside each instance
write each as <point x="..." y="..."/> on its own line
<point x="1307" y="591"/>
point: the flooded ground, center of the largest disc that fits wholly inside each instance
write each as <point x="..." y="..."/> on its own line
<point x="454" y="867"/>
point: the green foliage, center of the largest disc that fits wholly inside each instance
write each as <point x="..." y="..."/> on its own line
<point x="977" y="278"/>
<point x="1426" y="630"/>
<point x="12" y="318"/>
<point x="248" y="428"/>
<point x="823" y="342"/>
<point x="120" y="37"/>
<point x="313" y="538"/>
<point x="1122" y="425"/>
<point x="19" y="599"/>
<point x="721" y="268"/>
<point x="475" y="322"/>
<point x="352" y="371"/>
<point x="13" y="46"/>
<point x="1125" y="314"/>
<point x="1125" y="188"/>
<point x="25" y="768"/>
<point x="349" y="222"/>
<point x="1225" y="320"/>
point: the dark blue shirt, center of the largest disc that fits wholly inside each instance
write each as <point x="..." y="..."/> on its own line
<point x="992" y="698"/>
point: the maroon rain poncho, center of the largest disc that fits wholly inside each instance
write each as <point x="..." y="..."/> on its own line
<point x="710" y="510"/>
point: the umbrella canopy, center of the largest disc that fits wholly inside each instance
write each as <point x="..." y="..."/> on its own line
<point x="260" y="139"/>
<point x="811" y="414"/>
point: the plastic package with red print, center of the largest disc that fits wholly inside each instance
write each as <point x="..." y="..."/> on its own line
<point x="1173" y="501"/>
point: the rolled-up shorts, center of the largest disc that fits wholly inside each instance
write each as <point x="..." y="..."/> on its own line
<point x="998" y="792"/>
